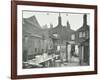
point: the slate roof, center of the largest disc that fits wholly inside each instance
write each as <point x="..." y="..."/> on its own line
<point x="83" y="28"/>
<point x="64" y="32"/>
<point x="31" y="26"/>
<point x="32" y="20"/>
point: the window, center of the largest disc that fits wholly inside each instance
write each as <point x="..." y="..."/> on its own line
<point x="35" y="49"/>
<point x="42" y="50"/>
<point x="26" y="39"/>
<point x="58" y="48"/>
<point x="84" y="34"/>
<point x="87" y="34"/>
<point x="80" y="34"/>
<point x="73" y="37"/>
<point x="56" y="35"/>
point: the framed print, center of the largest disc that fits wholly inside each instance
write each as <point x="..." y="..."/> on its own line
<point x="53" y="39"/>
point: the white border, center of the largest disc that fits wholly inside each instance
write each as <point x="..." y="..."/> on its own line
<point x="21" y="71"/>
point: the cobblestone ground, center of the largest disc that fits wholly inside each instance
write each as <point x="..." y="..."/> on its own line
<point x="71" y="64"/>
<point x="65" y="64"/>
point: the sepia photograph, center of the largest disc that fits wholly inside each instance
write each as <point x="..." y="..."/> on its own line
<point x="55" y="39"/>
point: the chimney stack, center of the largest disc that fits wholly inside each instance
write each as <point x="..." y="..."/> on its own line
<point x="85" y="19"/>
<point x="59" y="19"/>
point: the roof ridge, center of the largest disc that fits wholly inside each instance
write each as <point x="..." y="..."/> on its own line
<point x="33" y="20"/>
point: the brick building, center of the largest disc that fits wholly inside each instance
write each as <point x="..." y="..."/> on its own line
<point x="35" y="38"/>
<point x="82" y="39"/>
<point x="60" y="35"/>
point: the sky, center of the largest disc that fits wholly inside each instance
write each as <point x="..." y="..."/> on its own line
<point x="47" y="18"/>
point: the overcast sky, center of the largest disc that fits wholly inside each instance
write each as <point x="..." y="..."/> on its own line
<point x="47" y="18"/>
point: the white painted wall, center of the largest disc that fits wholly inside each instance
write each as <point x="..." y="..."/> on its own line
<point x="5" y="35"/>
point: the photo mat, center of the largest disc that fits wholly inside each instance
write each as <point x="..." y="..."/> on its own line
<point x="60" y="40"/>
